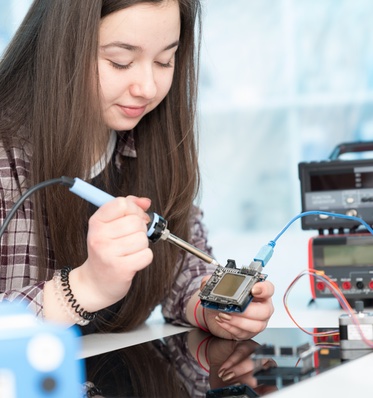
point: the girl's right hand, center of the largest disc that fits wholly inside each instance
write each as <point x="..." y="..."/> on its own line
<point x="118" y="247"/>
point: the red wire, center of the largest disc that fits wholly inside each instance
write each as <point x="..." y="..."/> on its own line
<point x="204" y="316"/>
<point x="196" y="318"/>
<point x="337" y="294"/>
<point x="333" y="332"/>
<point x="198" y="350"/>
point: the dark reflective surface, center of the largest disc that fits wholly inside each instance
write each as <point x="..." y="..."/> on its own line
<point x="196" y="364"/>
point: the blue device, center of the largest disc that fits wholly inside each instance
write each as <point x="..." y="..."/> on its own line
<point x="37" y="359"/>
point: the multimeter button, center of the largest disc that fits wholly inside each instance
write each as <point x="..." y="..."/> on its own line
<point x="351" y="212"/>
<point x="360" y="285"/>
<point x="346" y="285"/>
<point x="350" y="200"/>
<point x="323" y="216"/>
<point x="371" y="285"/>
<point x="320" y="286"/>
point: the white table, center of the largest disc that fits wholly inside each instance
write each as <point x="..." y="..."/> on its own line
<point x="352" y="379"/>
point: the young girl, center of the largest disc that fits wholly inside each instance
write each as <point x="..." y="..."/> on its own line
<point x="105" y="90"/>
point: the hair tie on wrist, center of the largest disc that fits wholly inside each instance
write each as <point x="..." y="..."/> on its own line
<point x="63" y="289"/>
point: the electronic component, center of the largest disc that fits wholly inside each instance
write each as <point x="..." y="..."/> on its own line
<point x="338" y="186"/>
<point x="350" y="337"/>
<point x="347" y="260"/>
<point x="229" y="288"/>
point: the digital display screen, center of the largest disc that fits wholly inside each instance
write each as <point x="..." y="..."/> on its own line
<point x="229" y="285"/>
<point x="339" y="180"/>
<point x="340" y="255"/>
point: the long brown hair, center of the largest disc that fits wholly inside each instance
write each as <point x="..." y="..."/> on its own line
<point x="46" y="84"/>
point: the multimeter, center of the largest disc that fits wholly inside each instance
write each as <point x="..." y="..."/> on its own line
<point x="347" y="260"/>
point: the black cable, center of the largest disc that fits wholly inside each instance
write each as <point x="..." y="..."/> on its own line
<point x="62" y="180"/>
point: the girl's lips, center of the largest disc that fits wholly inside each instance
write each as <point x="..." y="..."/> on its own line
<point x="132" y="111"/>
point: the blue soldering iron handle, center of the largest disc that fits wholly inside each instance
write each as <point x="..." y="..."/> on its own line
<point x="90" y="193"/>
<point x="98" y="198"/>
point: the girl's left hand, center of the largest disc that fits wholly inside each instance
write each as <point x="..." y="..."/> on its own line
<point x="243" y="326"/>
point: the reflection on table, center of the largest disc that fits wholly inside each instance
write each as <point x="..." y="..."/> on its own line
<point x="196" y="364"/>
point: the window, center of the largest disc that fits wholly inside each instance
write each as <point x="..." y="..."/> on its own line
<point x="11" y="14"/>
<point x="281" y="82"/>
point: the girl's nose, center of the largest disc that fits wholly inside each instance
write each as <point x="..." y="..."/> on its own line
<point x="144" y="85"/>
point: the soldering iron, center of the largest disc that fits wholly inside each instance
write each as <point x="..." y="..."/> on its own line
<point x="157" y="227"/>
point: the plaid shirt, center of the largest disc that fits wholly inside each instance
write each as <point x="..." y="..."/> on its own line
<point x="19" y="261"/>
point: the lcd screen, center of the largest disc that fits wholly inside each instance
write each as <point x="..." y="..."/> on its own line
<point x="348" y="255"/>
<point x="331" y="182"/>
<point x="228" y="285"/>
<point x="343" y="179"/>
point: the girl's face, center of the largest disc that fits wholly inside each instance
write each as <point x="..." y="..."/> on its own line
<point x="136" y="59"/>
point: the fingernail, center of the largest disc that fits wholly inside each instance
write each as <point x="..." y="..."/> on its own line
<point x="221" y="373"/>
<point x="228" y="376"/>
<point x="217" y="319"/>
<point x="256" y="291"/>
<point x="224" y="316"/>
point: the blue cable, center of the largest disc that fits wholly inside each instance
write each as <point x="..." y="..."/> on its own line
<point x="325" y="213"/>
<point x="265" y="253"/>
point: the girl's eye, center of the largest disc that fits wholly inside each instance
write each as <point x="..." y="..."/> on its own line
<point x="165" y="65"/>
<point x="115" y="65"/>
<point x="119" y="66"/>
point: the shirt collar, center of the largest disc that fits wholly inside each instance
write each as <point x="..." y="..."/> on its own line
<point x="126" y="144"/>
<point x="120" y="144"/>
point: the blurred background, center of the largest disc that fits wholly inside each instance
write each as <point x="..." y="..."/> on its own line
<point x="282" y="81"/>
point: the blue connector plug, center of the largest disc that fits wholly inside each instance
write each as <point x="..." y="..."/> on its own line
<point x="265" y="253"/>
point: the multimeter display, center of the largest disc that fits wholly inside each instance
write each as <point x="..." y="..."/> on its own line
<point x="347" y="260"/>
<point x="347" y="255"/>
